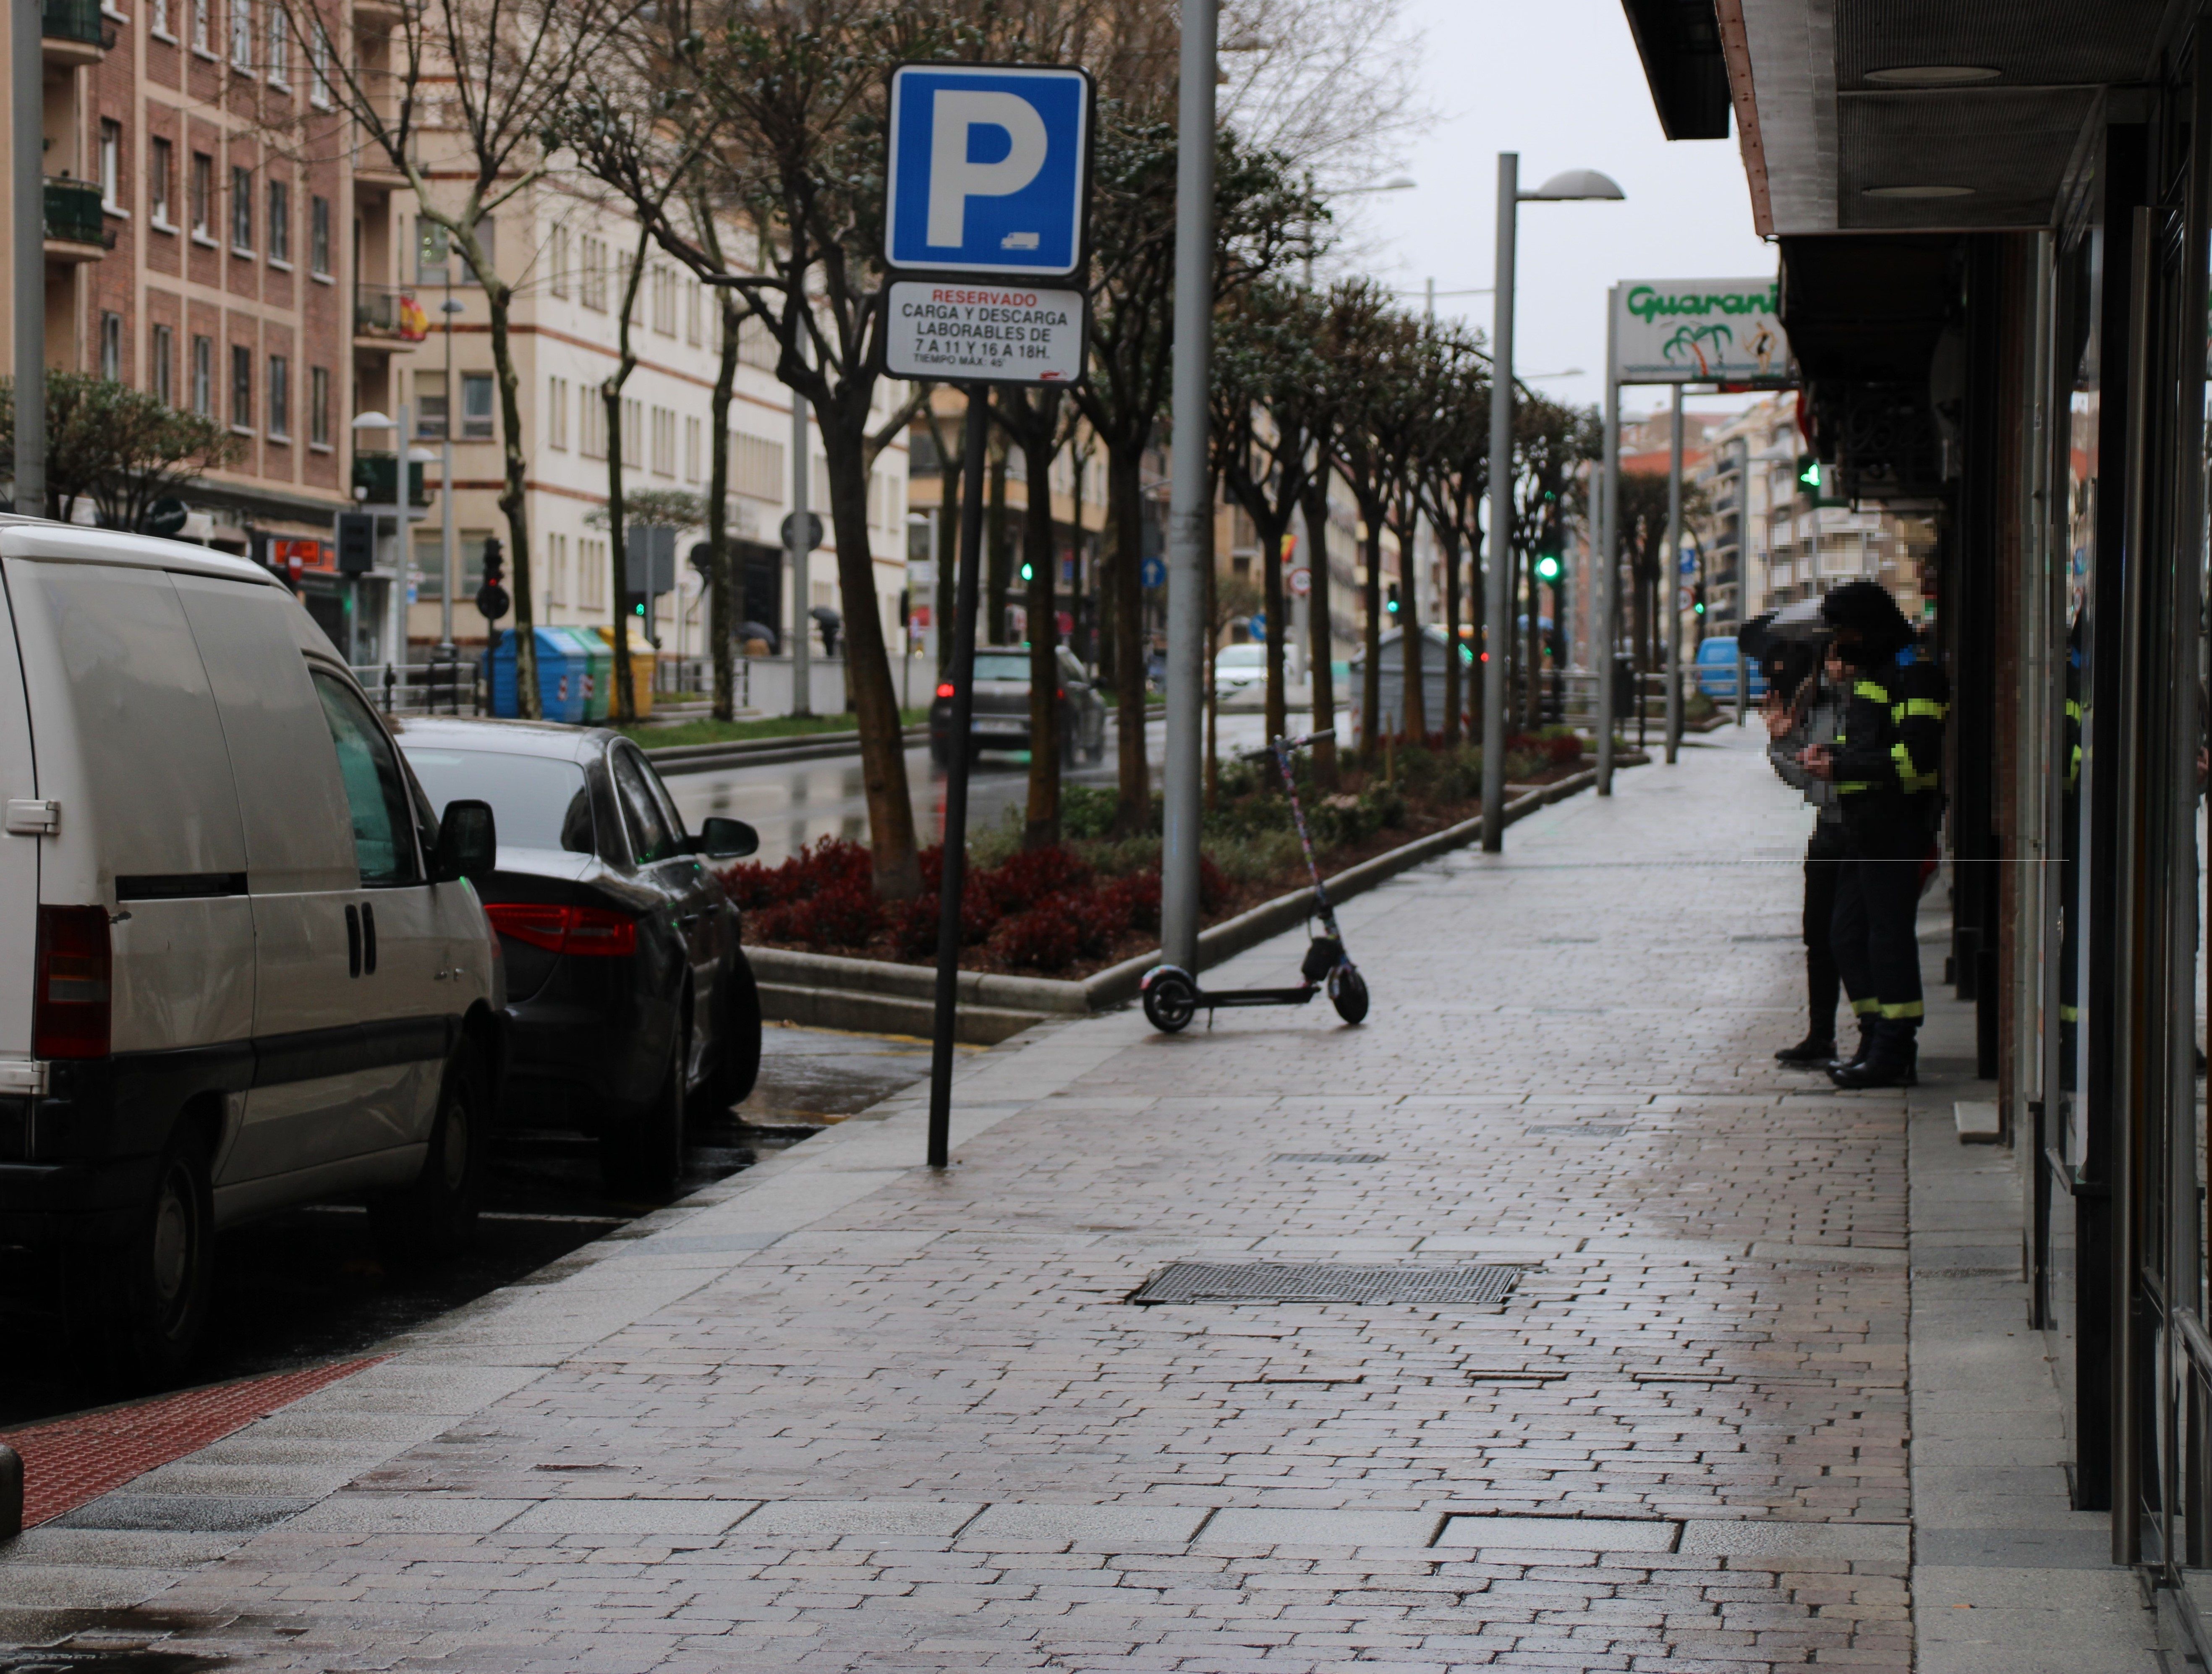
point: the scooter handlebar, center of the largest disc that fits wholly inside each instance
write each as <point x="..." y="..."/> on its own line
<point x="1267" y="752"/>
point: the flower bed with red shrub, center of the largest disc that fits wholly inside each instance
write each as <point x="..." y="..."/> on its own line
<point x="1095" y="900"/>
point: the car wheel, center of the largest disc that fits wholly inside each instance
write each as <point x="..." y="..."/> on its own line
<point x="436" y="1216"/>
<point x="136" y="1314"/>
<point x="642" y="1155"/>
<point x="738" y="1048"/>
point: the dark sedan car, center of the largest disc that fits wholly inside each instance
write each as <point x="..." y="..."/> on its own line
<point x="1002" y="720"/>
<point x="627" y="993"/>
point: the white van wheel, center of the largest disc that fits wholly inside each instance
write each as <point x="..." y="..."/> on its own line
<point x="138" y="1312"/>
<point x="436" y="1216"/>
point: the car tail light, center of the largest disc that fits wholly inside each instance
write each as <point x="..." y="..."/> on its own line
<point x="944" y="688"/>
<point x="71" y="1013"/>
<point x="592" y="932"/>
<point x="1060" y="694"/>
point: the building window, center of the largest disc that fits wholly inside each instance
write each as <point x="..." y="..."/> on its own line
<point x="693" y="430"/>
<point x="203" y="25"/>
<point x="431" y="405"/>
<point x="280" y="396"/>
<point x="280" y="49"/>
<point x="165" y="352"/>
<point x="280" y="222"/>
<point x="160" y="162"/>
<point x="557" y="592"/>
<point x="241" y="210"/>
<point x="242" y="388"/>
<point x="433" y="252"/>
<point x="664" y="442"/>
<point x="556" y="413"/>
<point x="204" y="376"/>
<point x="318" y="235"/>
<point x="318" y="68"/>
<point x="318" y="405"/>
<point x="632" y="433"/>
<point x="476" y="406"/>
<point x="158" y="19"/>
<point x="241" y="33"/>
<point x="202" y="195"/>
<point x="694" y="296"/>
<point x="591" y="423"/>
<point x="558" y="255"/>
<point x="111" y="164"/>
<point x="111" y="347"/>
<point x="595" y="274"/>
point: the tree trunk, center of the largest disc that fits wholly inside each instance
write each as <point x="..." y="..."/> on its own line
<point x="1414" y="704"/>
<point x="1273" y="605"/>
<point x="948" y="553"/>
<point x="997" y="554"/>
<point x="1478" y="612"/>
<point x="1212" y="610"/>
<point x="1125" y="494"/>
<point x="1532" y="707"/>
<point x="512" y="503"/>
<point x="869" y="690"/>
<point x="1448" y="538"/>
<point x="1322" y="648"/>
<point x="1040" y="422"/>
<point x="721" y="616"/>
<point x="624" y="707"/>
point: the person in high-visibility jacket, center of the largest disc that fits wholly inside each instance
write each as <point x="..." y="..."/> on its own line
<point x="1886" y="766"/>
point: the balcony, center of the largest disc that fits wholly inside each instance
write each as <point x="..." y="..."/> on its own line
<point x="379" y="474"/>
<point x="387" y="316"/>
<point x="76" y="231"/>
<point x="72" y="32"/>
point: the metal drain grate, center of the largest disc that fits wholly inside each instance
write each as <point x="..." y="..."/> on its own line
<point x="1326" y="1281"/>
<point x="1325" y="1156"/>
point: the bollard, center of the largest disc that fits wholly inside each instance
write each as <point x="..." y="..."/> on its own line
<point x="11" y="1493"/>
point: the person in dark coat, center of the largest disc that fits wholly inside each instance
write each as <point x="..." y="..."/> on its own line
<point x="1811" y="713"/>
<point x="1886" y="765"/>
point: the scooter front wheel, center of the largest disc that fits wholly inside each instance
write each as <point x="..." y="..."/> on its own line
<point x="1347" y="992"/>
<point x="1170" y="1000"/>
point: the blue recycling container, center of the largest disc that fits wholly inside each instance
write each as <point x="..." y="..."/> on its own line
<point x="561" y="682"/>
<point x="598" y="671"/>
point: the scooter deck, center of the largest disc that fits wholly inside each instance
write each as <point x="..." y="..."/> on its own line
<point x="1226" y="998"/>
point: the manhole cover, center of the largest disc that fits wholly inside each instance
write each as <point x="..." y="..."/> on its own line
<point x="1326" y="1281"/>
<point x="1325" y="1156"/>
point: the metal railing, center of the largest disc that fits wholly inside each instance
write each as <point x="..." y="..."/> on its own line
<point x="426" y="688"/>
<point x="388" y="312"/>
<point x="75" y="20"/>
<point x="73" y="214"/>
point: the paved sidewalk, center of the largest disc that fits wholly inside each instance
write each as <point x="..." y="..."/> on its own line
<point x="838" y="1413"/>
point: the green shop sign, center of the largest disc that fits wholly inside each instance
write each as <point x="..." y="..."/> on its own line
<point x="1700" y="331"/>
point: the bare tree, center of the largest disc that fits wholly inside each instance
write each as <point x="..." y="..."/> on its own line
<point x="456" y="97"/>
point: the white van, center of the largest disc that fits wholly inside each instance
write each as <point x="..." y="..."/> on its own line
<point x="241" y="965"/>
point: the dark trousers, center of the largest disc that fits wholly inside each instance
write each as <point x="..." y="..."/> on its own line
<point x="1824" y="866"/>
<point x="1873" y="934"/>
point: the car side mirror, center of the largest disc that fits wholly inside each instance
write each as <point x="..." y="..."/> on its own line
<point x="722" y="839"/>
<point x="468" y="843"/>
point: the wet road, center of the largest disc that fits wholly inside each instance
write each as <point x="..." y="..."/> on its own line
<point x="310" y="1284"/>
<point x="790" y="804"/>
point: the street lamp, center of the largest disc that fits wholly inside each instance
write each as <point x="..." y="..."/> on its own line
<point x="1576" y="186"/>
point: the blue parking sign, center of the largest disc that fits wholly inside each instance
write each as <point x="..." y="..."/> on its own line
<point x="988" y="169"/>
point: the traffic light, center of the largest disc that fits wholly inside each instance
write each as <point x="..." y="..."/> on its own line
<point x="495" y="561"/>
<point x="1698" y="598"/>
<point x="1808" y="474"/>
<point x="356" y="542"/>
<point x="1392" y="606"/>
<point x="1025" y="572"/>
<point x="1549" y="567"/>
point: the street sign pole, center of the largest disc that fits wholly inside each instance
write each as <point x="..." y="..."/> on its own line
<point x="1607" y="564"/>
<point x="1190" y="508"/>
<point x="1498" y="545"/>
<point x="962" y="671"/>
<point x="802" y="692"/>
<point x="1674" y="593"/>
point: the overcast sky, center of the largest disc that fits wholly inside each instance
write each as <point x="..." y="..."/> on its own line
<point x="1560" y="83"/>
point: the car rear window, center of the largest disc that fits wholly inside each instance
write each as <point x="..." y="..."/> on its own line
<point x="537" y="802"/>
<point x="1001" y="666"/>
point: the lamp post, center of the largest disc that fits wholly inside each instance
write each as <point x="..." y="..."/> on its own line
<point x="1576" y="186"/>
<point x="445" y="651"/>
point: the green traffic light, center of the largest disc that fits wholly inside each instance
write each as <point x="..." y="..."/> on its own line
<point x="1548" y="568"/>
<point x="1698" y="609"/>
<point x="1025" y="572"/>
<point x="1809" y="474"/>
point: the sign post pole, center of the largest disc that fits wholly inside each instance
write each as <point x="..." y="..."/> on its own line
<point x="962" y="671"/>
<point x="1606" y="560"/>
<point x="802" y="691"/>
<point x="1673" y="595"/>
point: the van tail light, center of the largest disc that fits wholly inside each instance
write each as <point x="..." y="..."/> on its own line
<point x="944" y="688"/>
<point x="72" y="1011"/>
<point x="592" y="932"/>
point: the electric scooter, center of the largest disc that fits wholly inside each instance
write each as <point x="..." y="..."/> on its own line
<point x="1172" y="996"/>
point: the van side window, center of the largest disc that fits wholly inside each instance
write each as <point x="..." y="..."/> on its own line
<point x="376" y="790"/>
<point x="650" y="837"/>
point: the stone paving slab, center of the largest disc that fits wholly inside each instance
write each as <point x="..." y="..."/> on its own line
<point x="841" y="1413"/>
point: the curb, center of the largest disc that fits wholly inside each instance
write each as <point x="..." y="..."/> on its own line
<point x="875" y="996"/>
<point x="764" y="752"/>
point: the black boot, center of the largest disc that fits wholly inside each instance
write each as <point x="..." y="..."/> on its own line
<point x="1892" y="1061"/>
<point x="1810" y="1053"/>
<point x="1858" y="1057"/>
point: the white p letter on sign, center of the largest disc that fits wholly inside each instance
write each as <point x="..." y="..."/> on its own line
<point x="953" y="179"/>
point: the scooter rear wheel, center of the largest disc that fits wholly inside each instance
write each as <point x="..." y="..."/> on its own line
<point x="1347" y="992"/>
<point x="1170" y="1001"/>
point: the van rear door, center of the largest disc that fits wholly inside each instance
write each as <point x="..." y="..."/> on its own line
<point x="19" y="856"/>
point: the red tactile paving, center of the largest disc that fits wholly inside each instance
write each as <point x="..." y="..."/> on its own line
<point x="75" y="1460"/>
